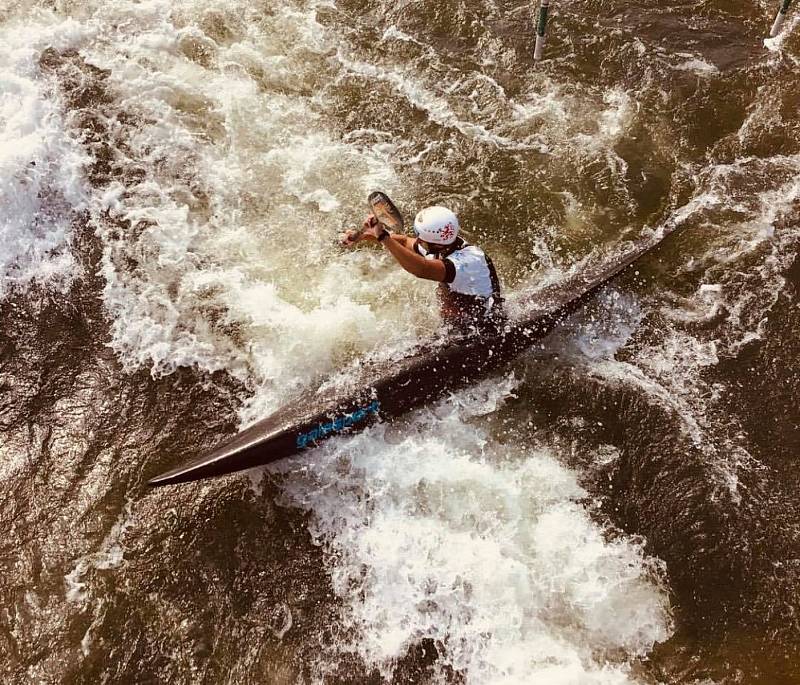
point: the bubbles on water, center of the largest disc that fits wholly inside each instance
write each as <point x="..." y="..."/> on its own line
<point x="218" y="228"/>
<point x="696" y="65"/>
<point x="745" y="202"/>
<point x="42" y="187"/>
<point x="217" y="235"/>
<point x="437" y="108"/>
<point x="437" y="531"/>
<point x="108" y="555"/>
<point x="602" y="329"/>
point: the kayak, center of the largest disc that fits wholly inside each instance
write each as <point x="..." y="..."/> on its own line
<point x="384" y="391"/>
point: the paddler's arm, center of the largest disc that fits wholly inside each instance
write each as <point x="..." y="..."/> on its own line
<point x="400" y="246"/>
<point x="415" y="264"/>
<point x="405" y="240"/>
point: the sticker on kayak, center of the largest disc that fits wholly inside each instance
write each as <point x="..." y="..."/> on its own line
<point x="338" y="424"/>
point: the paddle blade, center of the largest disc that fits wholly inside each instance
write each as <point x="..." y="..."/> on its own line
<point x="385" y="211"/>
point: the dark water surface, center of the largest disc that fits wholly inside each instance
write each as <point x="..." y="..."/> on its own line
<point x="619" y="506"/>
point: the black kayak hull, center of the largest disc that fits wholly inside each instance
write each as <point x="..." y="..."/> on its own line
<point x="402" y="385"/>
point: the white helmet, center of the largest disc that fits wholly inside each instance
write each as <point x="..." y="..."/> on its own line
<point x="436" y="225"/>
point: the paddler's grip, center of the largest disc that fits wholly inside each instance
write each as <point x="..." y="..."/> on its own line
<point x="354" y="234"/>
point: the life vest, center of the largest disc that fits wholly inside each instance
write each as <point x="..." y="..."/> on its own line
<point x="469" y="298"/>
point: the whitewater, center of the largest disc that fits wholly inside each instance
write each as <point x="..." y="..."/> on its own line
<point x="173" y="176"/>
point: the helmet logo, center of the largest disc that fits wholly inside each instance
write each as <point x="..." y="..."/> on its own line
<point x="447" y="231"/>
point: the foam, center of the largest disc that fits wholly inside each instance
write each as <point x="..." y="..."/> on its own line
<point x="439" y="531"/>
<point x="42" y="187"/>
<point x="696" y="65"/>
<point x="742" y="277"/>
<point x="226" y="262"/>
<point x="750" y="236"/>
<point x="109" y="555"/>
<point x="665" y="372"/>
<point x="394" y="33"/>
<point x="236" y="265"/>
<point x="434" y="105"/>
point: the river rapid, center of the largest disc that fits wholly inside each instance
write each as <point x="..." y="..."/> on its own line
<point x="619" y="505"/>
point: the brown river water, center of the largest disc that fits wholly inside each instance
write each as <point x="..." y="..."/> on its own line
<point x="619" y="505"/>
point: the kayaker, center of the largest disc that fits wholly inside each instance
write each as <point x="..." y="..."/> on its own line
<point x="469" y="290"/>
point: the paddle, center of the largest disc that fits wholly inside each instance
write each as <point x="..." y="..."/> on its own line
<point x="385" y="213"/>
<point x="384" y="210"/>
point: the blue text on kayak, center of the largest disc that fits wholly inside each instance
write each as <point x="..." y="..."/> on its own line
<point x="338" y="424"/>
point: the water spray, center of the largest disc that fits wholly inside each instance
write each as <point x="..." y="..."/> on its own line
<point x="776" y="26"/>
<point x="541" y="27"/>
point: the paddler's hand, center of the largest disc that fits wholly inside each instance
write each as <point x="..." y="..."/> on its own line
<point x="370" y="230"/>
<point x="349" y="238"/>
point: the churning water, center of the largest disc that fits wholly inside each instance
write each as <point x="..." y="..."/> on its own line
<point x="618" y="506"/>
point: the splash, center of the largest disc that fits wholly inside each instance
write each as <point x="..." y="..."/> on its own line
<point x="437" y="531"/>
<point x="42" y="184"/>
